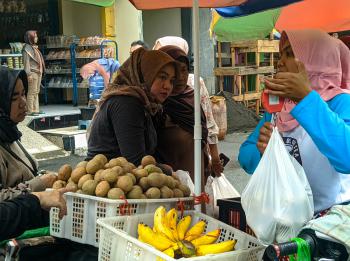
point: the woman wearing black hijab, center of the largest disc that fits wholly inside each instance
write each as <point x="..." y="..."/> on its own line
<point x="17" y="168"/>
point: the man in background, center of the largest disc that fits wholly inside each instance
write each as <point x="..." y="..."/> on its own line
<point x="137" y="44"/>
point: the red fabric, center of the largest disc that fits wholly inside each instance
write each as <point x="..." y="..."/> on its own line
<point x="202" y="198"/>
<point x="163" y="4"/>
<point x="327" y="15"/>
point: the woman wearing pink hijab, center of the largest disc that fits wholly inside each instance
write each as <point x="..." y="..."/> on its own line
<point x="314" y="78"/>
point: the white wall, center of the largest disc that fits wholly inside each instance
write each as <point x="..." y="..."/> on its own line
<point x="128" y="27"/>
<point x="159" y="23"/>
<point x="81" y="19"/>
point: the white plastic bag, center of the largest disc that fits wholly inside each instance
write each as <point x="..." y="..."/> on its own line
<point x="277" y="200"/>
<point x="218" y="188"/>
<point x="185" y="178"/>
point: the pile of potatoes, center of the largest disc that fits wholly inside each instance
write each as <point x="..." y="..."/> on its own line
<point x="118" y="179"/>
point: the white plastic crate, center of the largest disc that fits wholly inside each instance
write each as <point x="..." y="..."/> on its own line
<point x="119" y="240"/>
<point x="83" y="210"/>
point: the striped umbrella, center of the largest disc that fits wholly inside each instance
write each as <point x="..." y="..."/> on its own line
<point x="330" y="16"/>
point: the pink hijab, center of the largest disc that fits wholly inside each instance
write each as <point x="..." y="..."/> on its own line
<point x="171" y="40"/>
<point x="327" y="62"/>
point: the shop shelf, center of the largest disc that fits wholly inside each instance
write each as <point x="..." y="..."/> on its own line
<point x="10" y="55"/>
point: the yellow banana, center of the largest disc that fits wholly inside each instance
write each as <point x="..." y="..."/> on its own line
<point x="171" y="217"/>
<point x="182" y="226"/>
<point x="217" y="248"/>
<point x="161" y="224"/>
<point x="156" y="240"/>
<point x="195" y="231"/>
<point x="207" y="239"/>
<point x="140" y="239"/>
<point x="170" y="252"/>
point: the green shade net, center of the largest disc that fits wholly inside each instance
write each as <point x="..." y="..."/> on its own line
<point x="256" y="26"/>
<point x="38" y="232"/>
<point x="104" y="3"/>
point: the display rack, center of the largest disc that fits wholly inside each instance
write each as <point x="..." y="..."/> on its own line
<point x="12" y="60"/>
<point x="67" y="65"/>
<point x="243" y="67"/>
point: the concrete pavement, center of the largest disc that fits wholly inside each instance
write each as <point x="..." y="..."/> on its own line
<point x="230" y="147"/>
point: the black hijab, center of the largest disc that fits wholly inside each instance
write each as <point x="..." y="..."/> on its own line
<point x="8" y="129"/>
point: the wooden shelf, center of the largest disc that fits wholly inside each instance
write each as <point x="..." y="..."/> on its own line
<point x="256" y="46"/>
<point x="243" y="70"/>
<point x="247" y="96"/>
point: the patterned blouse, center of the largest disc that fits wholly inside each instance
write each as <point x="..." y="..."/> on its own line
<point x="213" y="129"/>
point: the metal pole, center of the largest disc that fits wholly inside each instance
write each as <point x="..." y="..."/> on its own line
<point x="197" y="107"/>
<point x="74" y="74"/>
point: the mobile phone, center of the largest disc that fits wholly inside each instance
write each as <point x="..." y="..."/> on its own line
<point x="224" y="159"/>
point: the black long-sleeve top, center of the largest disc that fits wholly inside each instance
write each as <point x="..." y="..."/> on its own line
<point x="122" y="127"/>
<point x="20" y="214"/>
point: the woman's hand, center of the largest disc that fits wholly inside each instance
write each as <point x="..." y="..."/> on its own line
<point x="217" y="167"/>
<point x="294" y="86"/>
<point x="215" y="164"/>
<point x="264" y="137"/>
<point x="53" y="198"/>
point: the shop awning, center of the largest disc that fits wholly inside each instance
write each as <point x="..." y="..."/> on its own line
<point x="321" y="14"/>
<point x="104" y="3"/>
<point x="164" y="4"/>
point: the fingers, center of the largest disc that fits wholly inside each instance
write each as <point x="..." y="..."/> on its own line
<point x="264" y="137"/>
<point x="62" y="206"/>
<point x="277" y="93"/>
<point x="261" y="147"/>
<point x="61" y="202"/>
<point x="274" y="84"/>
<point x="64" y="190"/>
<point x="266" y="128"/>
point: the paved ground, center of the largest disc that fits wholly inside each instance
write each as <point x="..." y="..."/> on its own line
<point x="230" y="147"/>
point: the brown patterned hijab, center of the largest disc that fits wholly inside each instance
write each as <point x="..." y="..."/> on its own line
<point x="136" y="75"/>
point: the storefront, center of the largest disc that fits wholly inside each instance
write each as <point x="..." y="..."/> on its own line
<point x="60" y="24"/>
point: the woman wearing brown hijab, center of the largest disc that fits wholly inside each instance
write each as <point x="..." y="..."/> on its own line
<point x="175" y="130"/>
<point x="34" y="66"/>
<point x="123" y="125"/>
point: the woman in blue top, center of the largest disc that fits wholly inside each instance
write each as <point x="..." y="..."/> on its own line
<point x="314" y="78"/>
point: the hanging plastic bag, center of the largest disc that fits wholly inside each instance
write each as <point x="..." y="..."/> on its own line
<point x="209" y="208"/>
<point x="185" y="178"/>
<point x="277" y="200"/>
<point x="218" y="188"/>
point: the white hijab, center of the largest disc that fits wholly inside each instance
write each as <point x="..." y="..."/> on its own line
<point x="171" y="40"/>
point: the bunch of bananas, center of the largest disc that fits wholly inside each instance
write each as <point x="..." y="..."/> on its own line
<point x="177" y="240"/>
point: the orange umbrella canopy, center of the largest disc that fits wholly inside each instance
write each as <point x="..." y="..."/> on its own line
<point x="328" y="15"/>
<point x="163" y="4"/>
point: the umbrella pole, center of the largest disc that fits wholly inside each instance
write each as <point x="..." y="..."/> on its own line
<point x="197" y="108"/>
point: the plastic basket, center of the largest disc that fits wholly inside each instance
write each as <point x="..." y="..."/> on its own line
<point x="232" y="213"/>
<point x="119" y="240"/>
<point x="83" y="210"/>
